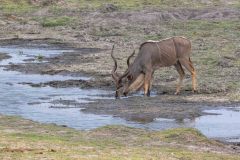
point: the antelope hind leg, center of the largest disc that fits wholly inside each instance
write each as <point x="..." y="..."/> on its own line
<point x="181" y="73"/>
<point x="187" y="63"/>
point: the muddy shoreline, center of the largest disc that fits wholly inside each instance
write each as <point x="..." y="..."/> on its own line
<point x="162" y="104"/>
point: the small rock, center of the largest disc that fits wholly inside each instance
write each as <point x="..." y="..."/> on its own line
<point x="109" y="8"/>
<point x="225" y="63"/>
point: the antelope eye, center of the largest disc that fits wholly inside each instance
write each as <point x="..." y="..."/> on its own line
<point x="129" y="77"/>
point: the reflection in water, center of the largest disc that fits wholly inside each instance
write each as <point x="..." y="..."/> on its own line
<point x="33" y="103"/>
<point x="225" y="124"/>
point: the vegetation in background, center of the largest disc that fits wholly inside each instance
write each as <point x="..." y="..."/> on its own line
<point x="23" y="6"/>
<point x="15" y="6"/>
<point x="141" y="4"/>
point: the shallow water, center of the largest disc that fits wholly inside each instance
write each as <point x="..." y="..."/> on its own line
<point x="225" y="125"/>
<point x="33" y="103"/>
<point x="15" y="98"/>
<point x="19" y="54"/>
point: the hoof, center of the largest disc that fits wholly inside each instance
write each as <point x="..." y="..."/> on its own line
<point x="146" y="95"/>
<point x="177" y="93"/>
<point x="195" y="91"/>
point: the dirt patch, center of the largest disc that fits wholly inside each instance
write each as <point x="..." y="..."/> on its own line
<point x="108" y="8"/>
<point x="156" y="16"/>
<point x="19" y="150"/>
<point x="226" y="62"/>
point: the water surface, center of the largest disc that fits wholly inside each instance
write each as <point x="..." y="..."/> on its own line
<point x="225" y="125"/>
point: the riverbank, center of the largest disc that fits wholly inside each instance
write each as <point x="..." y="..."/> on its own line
<point x="25" y="139"/>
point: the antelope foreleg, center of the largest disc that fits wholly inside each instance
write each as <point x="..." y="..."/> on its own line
<point x="147" y="83"/>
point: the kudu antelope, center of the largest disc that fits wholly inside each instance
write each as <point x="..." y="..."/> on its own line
<point x="154" y="55"/>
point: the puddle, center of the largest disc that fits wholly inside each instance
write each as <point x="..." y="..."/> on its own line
<point x="225" y="125"/>
<point x="34" y="103"/>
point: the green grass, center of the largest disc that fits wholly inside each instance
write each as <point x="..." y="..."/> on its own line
<point x="16" y="7"/>
<point x="56" y="21"/>
<point x="141" y="4"/>
<point x="39" y="57"/>
<point x="23" y="6"/>
<point x="23" y="139"/>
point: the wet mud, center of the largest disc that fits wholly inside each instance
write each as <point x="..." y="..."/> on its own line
<point x="4" y="56"/>
<point x="147" y="109"/>
<point x="84" y="84"/>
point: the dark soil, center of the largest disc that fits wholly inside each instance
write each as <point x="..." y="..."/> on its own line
<point x="84" y="84"/>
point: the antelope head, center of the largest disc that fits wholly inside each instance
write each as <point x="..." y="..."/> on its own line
<point x="128" y="81"/>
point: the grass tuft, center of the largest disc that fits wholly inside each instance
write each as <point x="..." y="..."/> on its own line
<point x="56" y="21"/>
<point x="16" y="7"/>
